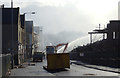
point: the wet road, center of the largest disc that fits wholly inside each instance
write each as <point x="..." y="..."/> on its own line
<point x="75" y="70"/>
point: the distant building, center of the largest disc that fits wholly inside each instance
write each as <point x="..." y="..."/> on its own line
<point x="29" y="38"/>
<point x="35" y="43"/>
<point x="38" y="40"/>
<point x="11" y="33"/>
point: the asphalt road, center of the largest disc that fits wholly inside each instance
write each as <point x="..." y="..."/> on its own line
<point x="36" y="69"/>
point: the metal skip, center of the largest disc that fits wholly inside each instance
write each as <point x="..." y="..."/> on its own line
<point x="57" y="60"/>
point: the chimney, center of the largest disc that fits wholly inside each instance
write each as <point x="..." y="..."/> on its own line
<point x="2" y="6"/>
<point x="11" y="3"/>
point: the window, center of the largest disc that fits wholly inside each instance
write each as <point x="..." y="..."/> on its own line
<point x="81" y="54"/>
<point x="114" y="35"/>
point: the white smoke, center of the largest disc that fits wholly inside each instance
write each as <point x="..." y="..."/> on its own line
<point x="80" y="42"/>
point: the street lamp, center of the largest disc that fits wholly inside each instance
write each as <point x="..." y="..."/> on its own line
<point x="29" y="13"/>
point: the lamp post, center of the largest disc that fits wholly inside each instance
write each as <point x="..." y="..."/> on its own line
<point x="25" y="31"/>
<point x="12" y="44"/>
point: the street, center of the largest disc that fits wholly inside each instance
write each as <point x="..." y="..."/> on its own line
<point x="36" y="69"/>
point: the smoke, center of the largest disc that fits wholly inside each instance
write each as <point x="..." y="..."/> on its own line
<point x="62" y="37"/>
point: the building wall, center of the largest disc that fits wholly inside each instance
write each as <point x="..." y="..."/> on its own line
<point x="113" y="30"/>
<point x="20" y="44"/>
<point x="23" y="37"/>
<point x="7" y="38"/>
<point x="11" y="35"/>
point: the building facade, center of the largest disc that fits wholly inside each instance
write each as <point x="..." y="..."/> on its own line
<point x="11" y="33"/>
<point x="22" y="46"/>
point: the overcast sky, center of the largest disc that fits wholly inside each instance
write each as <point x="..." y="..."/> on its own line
<point x="68" y="15"/>
<point x="67" y="20"/>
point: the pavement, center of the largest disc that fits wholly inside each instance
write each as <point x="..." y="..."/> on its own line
<point x="103" y="68"/>
<point x="30" y="69"/>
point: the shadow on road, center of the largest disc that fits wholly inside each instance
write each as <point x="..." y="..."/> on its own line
<point x="56" y="71"/>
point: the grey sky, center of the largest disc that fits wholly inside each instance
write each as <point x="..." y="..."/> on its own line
<point x="68" y="15"/>
<point x="66" y="20"/>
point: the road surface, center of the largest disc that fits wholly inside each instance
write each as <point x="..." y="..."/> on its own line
<point x="36" y="69"/>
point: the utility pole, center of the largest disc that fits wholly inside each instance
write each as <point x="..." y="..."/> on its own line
<point x="11" y="3"/>
<point x="12" y="52"/>
<point x="104" y="33"/>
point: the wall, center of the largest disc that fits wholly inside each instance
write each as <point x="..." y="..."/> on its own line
<point x="5" y="65"/>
